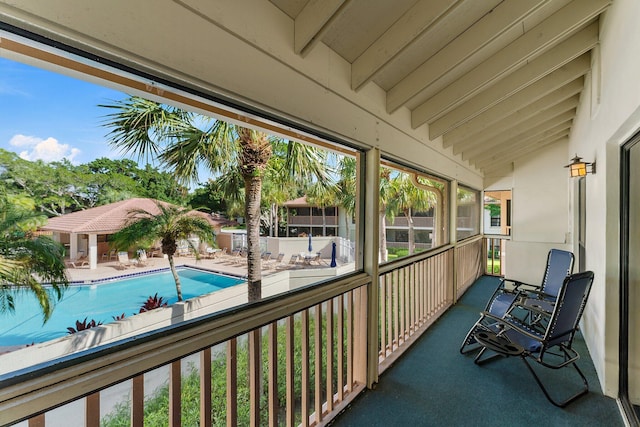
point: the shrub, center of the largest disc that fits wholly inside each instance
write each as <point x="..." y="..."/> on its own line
<point x="152" y="303"/>
<point x="81" y="326"/>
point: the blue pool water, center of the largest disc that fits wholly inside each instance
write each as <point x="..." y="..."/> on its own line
<point x="102" y="302"/>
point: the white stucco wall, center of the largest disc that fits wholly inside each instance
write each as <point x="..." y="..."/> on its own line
<point x="608" y="114"/>
<point x="540" y="210"/>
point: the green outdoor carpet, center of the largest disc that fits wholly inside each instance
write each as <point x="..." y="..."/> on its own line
<point x="432" y="384"/>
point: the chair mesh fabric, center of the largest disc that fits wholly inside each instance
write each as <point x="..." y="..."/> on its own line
<point x="501" y="303"/>
<point x="559" y="266"/>
<point x="569" y="308"/>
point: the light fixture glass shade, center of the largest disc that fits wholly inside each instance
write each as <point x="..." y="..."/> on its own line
<point x="578" y="168"/>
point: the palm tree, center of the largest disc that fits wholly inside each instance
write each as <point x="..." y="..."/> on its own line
<point x="170" y="225"/>
<point x="185" y="141"/>
<point x="346" y="189"/>
<point x="386" y="209"/>
<point x="27" y="261"/>
<point x="407" y="198"/>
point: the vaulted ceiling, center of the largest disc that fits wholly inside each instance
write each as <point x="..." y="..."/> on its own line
<point x="497" y="79"/>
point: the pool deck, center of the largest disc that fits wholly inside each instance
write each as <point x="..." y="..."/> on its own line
<point x="109" y="269"/>
<point x="223" y="265"/>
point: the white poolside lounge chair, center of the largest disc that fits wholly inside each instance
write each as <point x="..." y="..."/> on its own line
<point x="78" y="262"/>
<point x="123" y="260"/>
<point x="143" y="261"/>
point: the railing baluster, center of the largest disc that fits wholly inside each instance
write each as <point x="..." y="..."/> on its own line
<point x="273" y="374"/>
<point x="433" y="289"/>
<point x="92" y="410"/>
<point x="396" y="309"/>
<point x="340" y="351"/>
<point x="205" y="388"/>
<point x="413" y="300"/>
<point x="37" y="421"/>
<point x="304" y="338"/>
<point x="423" y="292"/>
<point x="350" y="339"/>
<point x="232" y="382"/>
<point x="389" y="282"/>
<point x="318" y="362"/>
<point x="401" y="291"/>
<point x="254" y="338"/>
<point x="175" y="400"/>
<point x="383" y="316"/>
<point x="137" y="401"/>
<point x="290" y="342"/>
<point x="329" y="355"/>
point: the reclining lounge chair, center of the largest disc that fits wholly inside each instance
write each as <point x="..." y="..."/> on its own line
<point x="551" y="346"/>
<point x="559" y="266"/>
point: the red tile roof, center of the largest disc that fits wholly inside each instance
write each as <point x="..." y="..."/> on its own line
<point x="110" y="218"/>
<point x="105" y="219"/>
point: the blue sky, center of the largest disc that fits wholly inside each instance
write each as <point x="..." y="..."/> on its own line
<point x="48" y="116"/>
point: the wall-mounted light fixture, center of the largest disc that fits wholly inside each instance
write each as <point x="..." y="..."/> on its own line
<point x="579" y="168"/>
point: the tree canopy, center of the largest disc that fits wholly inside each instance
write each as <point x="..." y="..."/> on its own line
<point x="58" y="188"/>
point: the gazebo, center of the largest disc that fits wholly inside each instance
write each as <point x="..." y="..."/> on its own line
<point x="86" y="232"/>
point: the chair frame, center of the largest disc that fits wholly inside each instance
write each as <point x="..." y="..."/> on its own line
<point x="501" y="335"/>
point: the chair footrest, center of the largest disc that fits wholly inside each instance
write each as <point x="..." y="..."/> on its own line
<point x="498" y="344"/>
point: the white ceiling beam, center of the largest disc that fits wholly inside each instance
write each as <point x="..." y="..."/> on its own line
<point x="530" y="45"/>
<point x="312" y="21"/>
<point x="503" y="17"/>
<point x="526" y="135"/>
<point x="521" y="131"/>
<point x="552" y="104"/>
<point x="400" y="35"/>
<point x="544" y="90"/>
<point x="561" y="76"/>
<point x="506" y="162"/>
<point x="543" y="132"/>
<point x="543" y="65"/>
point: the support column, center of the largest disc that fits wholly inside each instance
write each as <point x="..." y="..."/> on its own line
<point x="73" y="245"/>
<point x="93" y="251"/>
<point x="371" y="223"/>
<point x="453" y="234"/>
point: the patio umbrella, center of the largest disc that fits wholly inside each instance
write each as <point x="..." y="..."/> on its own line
<point x="333" y="254"/>
<point x="310" y="247"/>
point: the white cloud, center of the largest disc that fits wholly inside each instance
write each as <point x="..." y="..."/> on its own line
<point x="47" y="150"/>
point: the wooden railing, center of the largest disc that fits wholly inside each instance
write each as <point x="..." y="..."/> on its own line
<point x="469" y="263"/>
<point x="414" y="292"/>
<point x="292" y="360"/>
<point x="494" y="250"/>
<point x="295" y="359"/>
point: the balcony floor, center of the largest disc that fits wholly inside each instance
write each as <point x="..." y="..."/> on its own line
<point x="432" y="384"/>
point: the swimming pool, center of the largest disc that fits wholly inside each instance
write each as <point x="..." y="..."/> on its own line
<point x="102" y="302"/>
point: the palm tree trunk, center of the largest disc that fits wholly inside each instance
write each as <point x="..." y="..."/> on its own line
<point x="412" y="238"/>
<point x="383" y="235"/>
<point x="175" y="276"/>
<point x="253" y="188"/>
<point x="275" y="220"/>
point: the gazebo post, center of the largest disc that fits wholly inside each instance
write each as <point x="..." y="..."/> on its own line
<point x="73" y="245"/>
<point x="93" y="251"/>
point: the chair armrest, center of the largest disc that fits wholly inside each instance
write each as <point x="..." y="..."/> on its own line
<point x="539" y="294"/>
<point x="511" y="325"/>
<point x="517" y="285"/>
